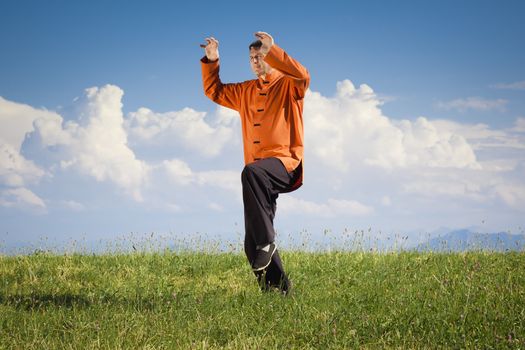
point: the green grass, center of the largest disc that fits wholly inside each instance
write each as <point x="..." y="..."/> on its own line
<point x="208" y="301"/>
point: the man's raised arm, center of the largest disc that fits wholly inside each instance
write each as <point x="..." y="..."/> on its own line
<point x="278" y="59"/>
<point x="227" y="95"/>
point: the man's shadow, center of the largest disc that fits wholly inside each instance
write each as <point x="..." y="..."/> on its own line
<point x="34" y="301"/>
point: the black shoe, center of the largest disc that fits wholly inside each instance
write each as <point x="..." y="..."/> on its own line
<point x="263" y="258"/>
<point x="284" y="287"/>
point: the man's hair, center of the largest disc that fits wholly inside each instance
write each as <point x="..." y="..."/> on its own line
<point x="256" y="45"/>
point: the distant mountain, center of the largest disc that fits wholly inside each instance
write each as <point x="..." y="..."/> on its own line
<point x="465" y="240"/>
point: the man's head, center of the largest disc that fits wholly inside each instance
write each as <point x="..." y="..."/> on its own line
<point x="257" y="63"/>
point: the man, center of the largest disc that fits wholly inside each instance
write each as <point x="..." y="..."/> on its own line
<point x="271" y="108"/>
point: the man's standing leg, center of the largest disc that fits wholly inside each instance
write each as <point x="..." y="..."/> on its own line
<point x="274" y="276"/>
<point x="262" y="182"/>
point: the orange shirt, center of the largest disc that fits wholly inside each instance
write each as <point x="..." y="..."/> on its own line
<point x="270" y="109"/>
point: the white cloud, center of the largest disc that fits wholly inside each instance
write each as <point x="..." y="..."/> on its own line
<point x="499" y="165"/>
<point x="451" y="186"/>
<point x="15" y="170"/>
<point x="180" y="173"/>
<point x="333" y="207"/>
<point x="21" y="198"/>
<point x="96" y="144"/>
<point x="17" y="121"/>
<point x="54" y="131"/>
<point x="471" y="132"/>
<point x="224" y="179"/>
<point x="186" y="128"/>
<point x="350" y="129"/>
<point x="227" y="116"/>
<point x="473" y="103"/>
<point x="519" y="126"/>
<point x="215" y="207"/>
<point x="512" y="194"/>
<point x="72" y="205"/>
<point x="427" y="145"/>
<point x="481" y="136"/>
<point x="518" y="85"/>
<point x="173" y="208"/>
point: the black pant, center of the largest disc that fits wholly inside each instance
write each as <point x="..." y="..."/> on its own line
<point x="262" y="181"/>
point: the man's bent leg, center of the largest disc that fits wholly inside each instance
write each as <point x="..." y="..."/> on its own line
<point x="262" y="182"/>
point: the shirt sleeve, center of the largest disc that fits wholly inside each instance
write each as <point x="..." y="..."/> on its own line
<point x="278" y="59"/>
<point x="227" y="95"/>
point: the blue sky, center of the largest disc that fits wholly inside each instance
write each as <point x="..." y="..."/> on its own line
<point x="427" y="131"/>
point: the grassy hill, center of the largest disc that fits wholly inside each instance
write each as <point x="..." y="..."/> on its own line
<point x="211" y="301"/>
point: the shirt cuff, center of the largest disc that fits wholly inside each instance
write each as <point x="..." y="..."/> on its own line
<point x="205" y="60"/>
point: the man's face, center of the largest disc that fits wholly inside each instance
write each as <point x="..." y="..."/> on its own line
<point x="259" y="67"/>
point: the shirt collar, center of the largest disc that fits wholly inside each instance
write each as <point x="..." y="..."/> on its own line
<point x="269" y="78"/>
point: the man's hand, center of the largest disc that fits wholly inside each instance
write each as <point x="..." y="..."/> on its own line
<point x="267" y="41"/>
<point x="211" y="48"/>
